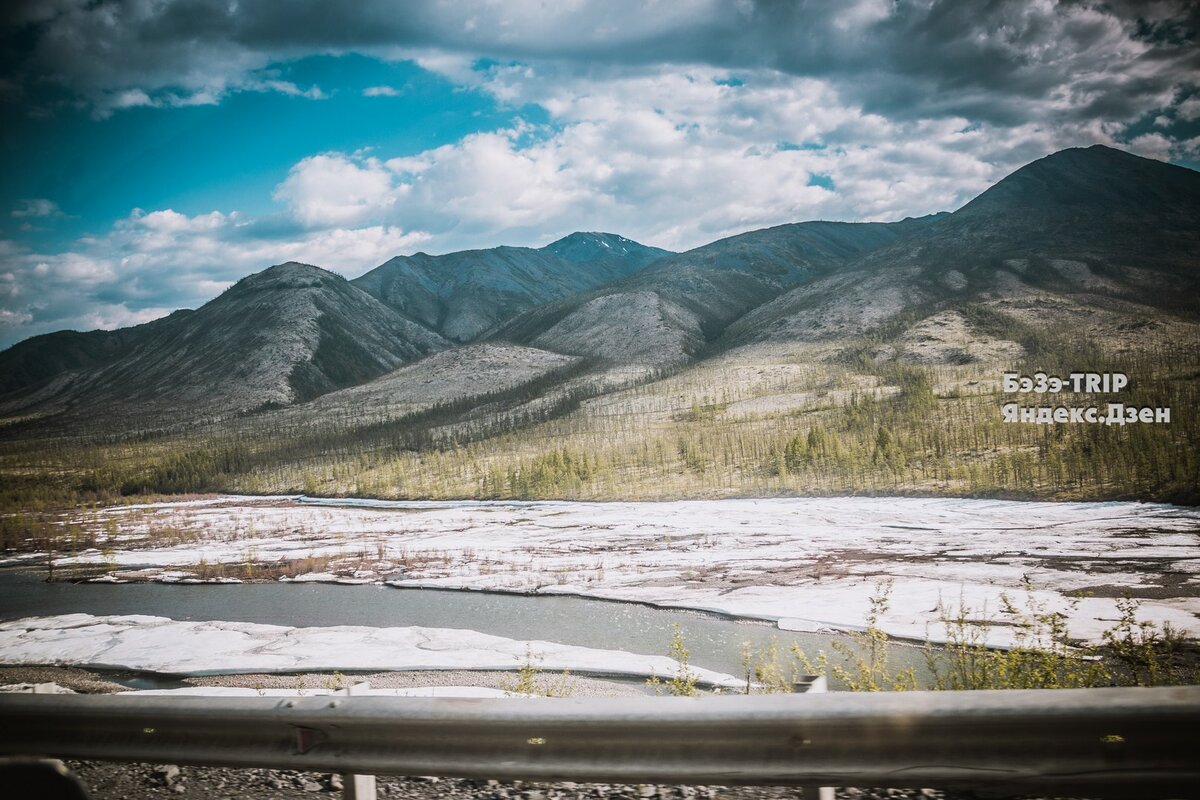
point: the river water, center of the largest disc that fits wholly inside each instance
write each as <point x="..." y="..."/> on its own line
<point x="714" y="642"/>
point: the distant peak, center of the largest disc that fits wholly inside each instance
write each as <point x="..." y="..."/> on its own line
<point x="1096" y="156"/>
<point x="587" y="236"/>
<point x="294" y="268"/>
<point x="290" y="274"/>
<point x="1091" y="179"/>
<point x="591" y="245"/>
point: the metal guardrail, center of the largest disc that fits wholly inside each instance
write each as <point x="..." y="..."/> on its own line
<point x="1094" y="742"/>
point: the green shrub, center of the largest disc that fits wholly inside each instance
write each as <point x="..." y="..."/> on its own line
<point x="531" y="681"/>
<point x="1132" y="652"/>
<point x="684" y="682"/>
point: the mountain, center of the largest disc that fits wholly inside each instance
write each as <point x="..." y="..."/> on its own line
<point x="283" y="335"/>
<point x="605" y="254"/>
<point x="1086" y="227"/>
<point x="666" y="312"/>
<point x="41" y="358"/>
<point x="1096" y="191"/>
<point x="1096" y="204"/>
<point x="463" y="294"/>
<point x="1086" y="237"/>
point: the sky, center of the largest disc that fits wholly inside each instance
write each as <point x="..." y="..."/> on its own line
<point x="155" y="151"/>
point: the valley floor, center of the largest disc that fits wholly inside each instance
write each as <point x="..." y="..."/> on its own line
<point x="803" y="564"/>
<point x="910" y="566"/>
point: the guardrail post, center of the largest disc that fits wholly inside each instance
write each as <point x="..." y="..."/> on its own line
<point x="814" y="684"/>
<point x="361" y="787"/>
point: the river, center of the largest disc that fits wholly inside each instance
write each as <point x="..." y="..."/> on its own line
<point x="714" y="642"/>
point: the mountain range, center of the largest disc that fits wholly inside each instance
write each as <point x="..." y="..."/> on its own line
<point x="463" y="295"/>
<point x="1091" y="237"/>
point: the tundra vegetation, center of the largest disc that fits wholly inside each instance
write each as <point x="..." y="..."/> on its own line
<point x="795" y="420"/>
<point x="684" y="682"/>
<point x="1132" y="652"/>
<point x="531" y="681"/>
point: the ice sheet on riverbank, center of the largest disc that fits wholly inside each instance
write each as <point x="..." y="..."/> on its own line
<point x="158" y="644"/>
<point x="804" y="563"/>
<point x="411" y="691"/>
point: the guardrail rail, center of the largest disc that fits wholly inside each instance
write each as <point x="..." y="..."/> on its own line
<point x="1141" y="742"/>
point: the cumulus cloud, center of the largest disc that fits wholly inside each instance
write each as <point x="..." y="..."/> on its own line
<point x="152" y="263"/>
<point x="672" y="158"/>
<point x="1190" y="109"/>
<point x="330" y="190"/>
<point x="998" y="62"/>
<point x="1152" y="145"/>
<point x="381" y="91"/>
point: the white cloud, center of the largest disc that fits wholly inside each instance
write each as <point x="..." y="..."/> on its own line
<point x="110" y="316"/>
<point x="675" y="159"/>
<point x="1190" y="109"/>
<point x="130" y="98"/>
<point x="37" y="208"/>
<point x="333" y="189"/>
<point x="105" y="103"/>
<point x="1039" y="61"/>
<point x="285" y="87"/>
<point x="1152" y="145"/>
<point x="380" y="91"/>
<point x="14" y="319"/>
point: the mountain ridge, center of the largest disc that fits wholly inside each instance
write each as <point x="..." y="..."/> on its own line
<point x="1068" y="231"/>
<point x="463" y="294"/>
<point x="688" y="298"/>
<point x="1086" y="236"/>
<point x="282" y="335"/>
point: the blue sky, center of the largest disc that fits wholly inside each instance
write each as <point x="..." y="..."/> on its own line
<point x="153" y="153"/>
<point x="200" y="158"/>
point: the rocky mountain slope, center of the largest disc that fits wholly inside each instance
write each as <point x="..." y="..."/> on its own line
<point x="462" y="372"/>
<point x="289" y="333"/>
<point x="463" y="294"/>
<point x="40" y="358"/>
<point x="1086" y="232"/>
<point x="665" y="313"/>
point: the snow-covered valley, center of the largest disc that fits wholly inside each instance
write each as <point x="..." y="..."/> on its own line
<point x="803" y="564"/>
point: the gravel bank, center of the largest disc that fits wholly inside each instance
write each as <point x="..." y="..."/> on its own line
<point x="130" y="781"/>
<point x="576" y="685"/>
<point x="101" y="682"/>
<point x="80" y="680"/>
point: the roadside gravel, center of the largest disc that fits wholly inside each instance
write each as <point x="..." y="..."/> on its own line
<point x="135" y="781"/>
